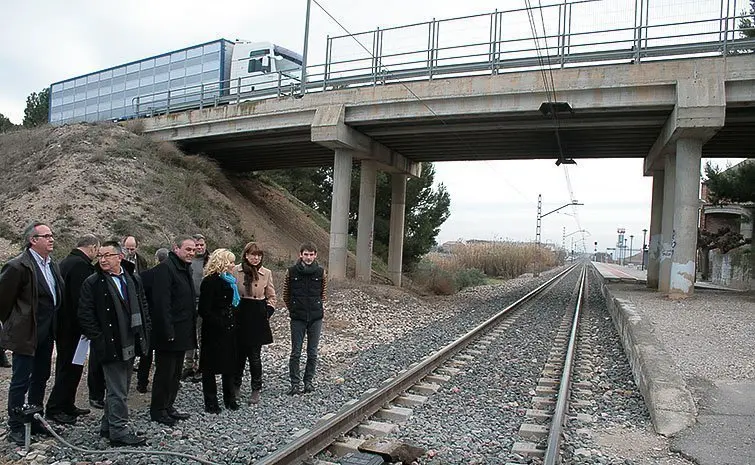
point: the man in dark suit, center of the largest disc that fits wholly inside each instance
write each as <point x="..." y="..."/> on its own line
<point x="174" y="319"/>
<point x="74" y="269"/>
<point x="145" y="362"/>
<point x="113" y="315"/>
<point x="131" y="250"/>
<point x="31" y="292"/>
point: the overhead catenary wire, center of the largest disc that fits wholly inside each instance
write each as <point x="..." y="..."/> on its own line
<point x="435" y="115"/>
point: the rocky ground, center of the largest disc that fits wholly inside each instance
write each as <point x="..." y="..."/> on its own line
<point x="371" y="332"/>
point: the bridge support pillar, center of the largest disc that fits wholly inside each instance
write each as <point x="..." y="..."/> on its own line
<point x="339" y="213"/>
<point x="366" y="219"/>
<point x="667" y="223"/>
<point x="656" y="218"/>
<point x="686" y="208"/>
<point x="396" y="239"/>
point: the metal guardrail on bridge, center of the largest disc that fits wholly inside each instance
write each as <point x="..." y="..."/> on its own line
<point x="551" y="36"/>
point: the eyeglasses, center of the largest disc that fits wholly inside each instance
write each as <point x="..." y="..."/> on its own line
<point x="106" y="255"/>
<point x="45" y="236"/>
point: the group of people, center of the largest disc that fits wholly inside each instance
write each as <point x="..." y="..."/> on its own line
<point x="105" y="295"/>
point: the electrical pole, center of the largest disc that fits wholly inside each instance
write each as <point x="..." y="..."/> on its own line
<point x="304" y="52"/>
<point x="536" y="271"/>
<point x="631" y="240"/>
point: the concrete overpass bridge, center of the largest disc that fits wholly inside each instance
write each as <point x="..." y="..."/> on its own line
<point x="668" y="112"/>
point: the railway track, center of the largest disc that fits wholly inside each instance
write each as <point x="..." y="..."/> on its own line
<point x="392" y="399"/>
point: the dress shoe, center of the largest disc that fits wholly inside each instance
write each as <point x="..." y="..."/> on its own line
<point x="98" y="404"/>
<point x="142" y="388"/>
<point x="62" y="418"/>
<point x="4" y="362"/>
<point x="309" y="387"/>
<point x="104" y="434"/>
<point x="77" y="412"/>
<point x="166" y="420"/>
<point x="178" y="415"/>
<point x="130" y="440"/>
<point x="212" y="408"/>
<point x="232" y="405"/>
<point x="16" y="436"/>
<point x="255" y="399"/>
<point x="295" y="389"/>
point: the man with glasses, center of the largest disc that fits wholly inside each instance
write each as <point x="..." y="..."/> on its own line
<point x="113" y="315"/>
<point x="31" y="292"/>
<point x="174" y="319"/>
<point x="74" y="269"/>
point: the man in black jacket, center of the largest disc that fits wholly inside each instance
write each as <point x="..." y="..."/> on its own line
<point x="145" y="362"/>
<point x="74" y="269"/>
<point x="304" y="291"/>
<point x="174" y="316"/>
<point x="113" y="315"/>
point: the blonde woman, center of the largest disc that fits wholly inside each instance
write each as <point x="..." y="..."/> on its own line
<point x="218" y="299"/>
<point x="257" y="306"/>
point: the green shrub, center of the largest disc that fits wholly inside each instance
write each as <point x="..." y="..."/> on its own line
<point x="469" y="277"/>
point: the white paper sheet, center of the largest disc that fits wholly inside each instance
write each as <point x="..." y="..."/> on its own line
<point x="80" y="356"/>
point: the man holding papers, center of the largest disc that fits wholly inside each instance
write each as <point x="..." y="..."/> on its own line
<point x="113" y="315"/>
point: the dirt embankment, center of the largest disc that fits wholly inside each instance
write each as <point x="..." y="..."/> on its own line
<point x="106" y="180"/>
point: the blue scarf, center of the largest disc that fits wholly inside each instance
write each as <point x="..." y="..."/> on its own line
<point x="230" y="279"/>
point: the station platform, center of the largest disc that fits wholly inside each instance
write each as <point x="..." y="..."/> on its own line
<point x="631" y="274"/>
<point x="692" y="360"/>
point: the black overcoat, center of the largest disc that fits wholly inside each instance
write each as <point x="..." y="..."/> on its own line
<point x="98" y="319"/>
<point x="174" y="311"/>
<point x="74" y="269"/>
<point x="218" y="352"/>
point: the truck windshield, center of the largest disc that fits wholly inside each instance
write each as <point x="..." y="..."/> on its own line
<point x="259" y="61"/>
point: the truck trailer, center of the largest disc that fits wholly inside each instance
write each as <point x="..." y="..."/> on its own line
<point x="217" y="72"/>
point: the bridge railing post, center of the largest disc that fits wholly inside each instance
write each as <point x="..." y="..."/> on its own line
<point x="279" y="84"/>
<point x="201" y="96"/>
<point x="328" y="57"/>
<point x="376" y="36"/>
<point x="167" y="103"/>
<point x="494" y="38"/>
<point x="238" y="90"/>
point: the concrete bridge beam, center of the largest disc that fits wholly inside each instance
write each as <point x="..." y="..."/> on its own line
<point x="366" y="220"/>
<point x="656" y="238"/>
<point x="396" y="239"/>
<point x="339" y="213"/>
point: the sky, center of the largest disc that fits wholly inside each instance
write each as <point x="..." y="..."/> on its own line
<point x="48" y="41"/>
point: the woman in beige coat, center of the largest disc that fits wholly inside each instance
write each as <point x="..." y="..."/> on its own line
<point x="255" y="283"/>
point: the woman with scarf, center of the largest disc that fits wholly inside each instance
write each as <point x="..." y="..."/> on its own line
<point x="252" y="318"/>
<point x="218" y="300"/>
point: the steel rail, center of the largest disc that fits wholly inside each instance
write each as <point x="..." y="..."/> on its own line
<point x="553" y="449"/>
<point x="324" y="433"/>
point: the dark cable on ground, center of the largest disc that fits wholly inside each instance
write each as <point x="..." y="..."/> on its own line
<point x="49" y="428"/>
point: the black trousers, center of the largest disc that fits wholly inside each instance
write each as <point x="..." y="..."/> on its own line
<point x="167" y="380"/>
<point x="67" y="376"/>
<point x="142" y="374"/>
<point x="254" y="355"/>
<point x="95" y="378"/>
<point x="210" y="389"/>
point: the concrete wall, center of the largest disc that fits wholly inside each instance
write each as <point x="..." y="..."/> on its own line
<point x="672" y="409"/>
<point x="732" y="269"/>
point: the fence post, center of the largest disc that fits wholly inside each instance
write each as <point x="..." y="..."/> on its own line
<point x="201" y="96"/>
<point x="238" y="90"/>
<point x="167" y="106"/>
<point x="493" y="46"/>
<point x="328" y="57"/>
